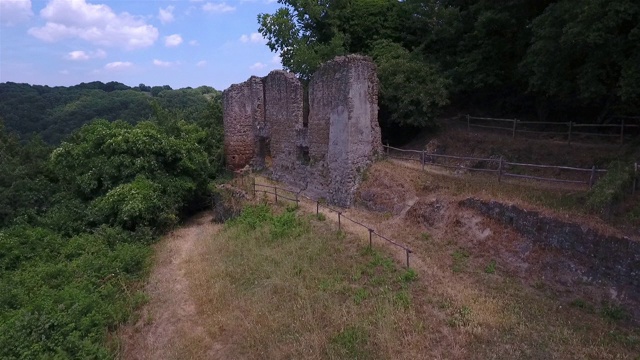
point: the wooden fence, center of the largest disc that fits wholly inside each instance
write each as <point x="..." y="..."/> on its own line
<point x="501" y="166"/>
<point x="571" y="129"/>
<point x="294" y="196"/>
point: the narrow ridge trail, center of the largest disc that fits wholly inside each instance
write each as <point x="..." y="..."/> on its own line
<point x="171" y="316"/>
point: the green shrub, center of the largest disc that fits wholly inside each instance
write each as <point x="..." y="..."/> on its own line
<point x="611" y="188"/>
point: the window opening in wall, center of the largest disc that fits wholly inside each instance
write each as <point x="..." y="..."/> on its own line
<point x="303" y="155"/>
<point x="305" y="108"/>
<point x="264" y="150"/>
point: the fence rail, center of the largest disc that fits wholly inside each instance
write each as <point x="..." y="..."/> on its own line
<point x="500" y="166"/>
<point x="263" y="188"/>
<point x="516" y="127"/>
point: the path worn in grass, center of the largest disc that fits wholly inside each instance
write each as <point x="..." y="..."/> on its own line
<point x="171" y="314"/>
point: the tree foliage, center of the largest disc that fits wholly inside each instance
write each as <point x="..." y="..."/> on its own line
<point x="557" y="58"/>
<point x="76" y="221"/>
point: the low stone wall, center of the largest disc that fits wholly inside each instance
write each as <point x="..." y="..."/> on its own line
<point x="612" y="259"/>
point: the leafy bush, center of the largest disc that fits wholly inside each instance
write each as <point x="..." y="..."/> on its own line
<point x="611" y="188"/>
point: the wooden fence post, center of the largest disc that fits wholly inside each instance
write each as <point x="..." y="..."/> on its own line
<point x="500" y="170"/>
<point x="592" y="178"/>
<point x="468" y="123"/>
<point x="407" y="250"/>
<point x="317" y="207"/>
<point x="423" y="159"/>
<point x="339" y="222"/>
<point x="635" y="178"/>
<point x="622" y="132"/>
<point x="254" y="187"/>
<point x="370" y="238"/>
<point x="275" y="191"/>
<point x="515" y="121"/>
<point x="388" y="148"/>
<point x="570" y="128"/>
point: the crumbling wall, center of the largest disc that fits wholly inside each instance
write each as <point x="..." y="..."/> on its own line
<point x="609" y="258"/>
<point x="344" y="134"/>
<point x="284" y="111"/>
<point x="244" y="119"/>
<point x="325" y="155"/>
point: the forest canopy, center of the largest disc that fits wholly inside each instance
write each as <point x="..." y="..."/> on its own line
<point x="54" y="112"/>
<point x="544" y="59"/>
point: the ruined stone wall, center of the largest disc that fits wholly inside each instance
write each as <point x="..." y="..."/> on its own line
<point x="264" y="121"/>
<point x="344" y="134"/>
<point x="284" y="111"/>
<point x="243" y="106"/>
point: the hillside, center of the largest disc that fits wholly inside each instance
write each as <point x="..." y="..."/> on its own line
<point x="55" y="112"/>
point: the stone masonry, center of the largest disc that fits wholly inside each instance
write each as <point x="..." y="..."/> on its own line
<point x="325" y="152"/>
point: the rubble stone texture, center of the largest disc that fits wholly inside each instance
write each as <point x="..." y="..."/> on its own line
<point x="344" y="133"/>
<point x="265" y="125"/>
<point x="284" y="98"/>
<point x="243" y="106"/>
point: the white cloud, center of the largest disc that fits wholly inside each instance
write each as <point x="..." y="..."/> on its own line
<point x="97" y="24"/>
<point x="194" y="43"/>
<point x="201" y="63"/>
<point x="118" y="65"/>
<point x="217" y="8"/>
<point x="255" y="37"/>
<point x="79" y="55"/>
<point x="14" y="11"/>
<point x="161" y="63"/>
<point x="172" y="40"/>
<point x="166" y="15"/>
<point x="257" y="66"/>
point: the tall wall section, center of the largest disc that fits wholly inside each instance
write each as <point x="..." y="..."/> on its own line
<point x="244" y="114"/>
<point x="344" y="134"/>
<point x="265" y="126"/>
<point x="284" y="96"/>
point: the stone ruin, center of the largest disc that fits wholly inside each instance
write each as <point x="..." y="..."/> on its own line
<point x="320" y="143"/>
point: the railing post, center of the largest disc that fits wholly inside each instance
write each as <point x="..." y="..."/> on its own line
<point x="317" y="207"/>
<point x="388" y="148"/>
<point x="622" y="132"/>
<point x="370" y="238"/>
<point x="570" y="129"/>
<point x="275" y="191"/>
<point x="468" y="123"/>
<point x="592" y="178"/>
<point x="635" y="178"/>
<point x="407" y="251"/>
<point x="500" y="170"/>
<point x="254" y="187"/>
<point x="339" y="223"/>
<point x="515" y="121"/>
<point x="423" y="159"/>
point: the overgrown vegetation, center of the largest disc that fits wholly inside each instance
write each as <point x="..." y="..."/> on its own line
<point x="612" y="188"/>
<point x="76" y="221"/>
<point x="550" y="60"/>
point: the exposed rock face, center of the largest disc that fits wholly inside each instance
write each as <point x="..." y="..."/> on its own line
<point x="609" y="258"/>
<point x="265" y="125"/>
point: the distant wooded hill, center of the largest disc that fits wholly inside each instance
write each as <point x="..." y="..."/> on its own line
<point x="55" y="112"/>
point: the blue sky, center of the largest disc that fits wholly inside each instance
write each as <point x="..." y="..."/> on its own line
<point x="174" y="42"/>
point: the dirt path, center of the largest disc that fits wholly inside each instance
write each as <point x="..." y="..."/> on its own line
<point x="171" y="315"/>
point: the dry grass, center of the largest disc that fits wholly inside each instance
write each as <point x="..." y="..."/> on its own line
<point x="304" y="291"/>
